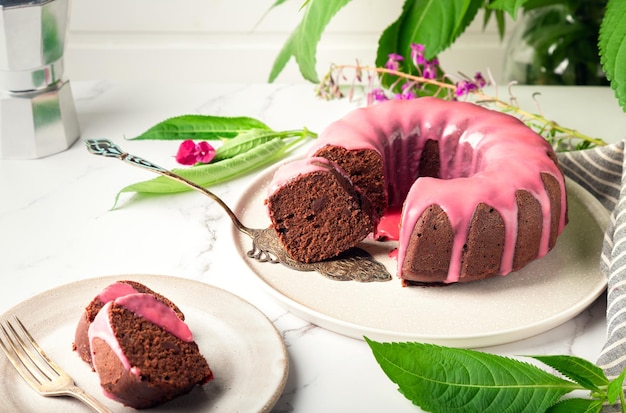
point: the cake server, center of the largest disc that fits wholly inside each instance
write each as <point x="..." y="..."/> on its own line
<point x="355" y="264"/>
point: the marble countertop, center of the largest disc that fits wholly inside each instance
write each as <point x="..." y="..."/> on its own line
<point x="57" y="225"/>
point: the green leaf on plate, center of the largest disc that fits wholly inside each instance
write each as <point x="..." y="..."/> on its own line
<point x="201" y="127"/>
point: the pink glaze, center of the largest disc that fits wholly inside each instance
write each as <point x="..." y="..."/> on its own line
<point x="486" y="156"/>
<point x="388" y="228"/>
<point x="153" y="310"/>
<point x="285" y="173"/>
<point x="101" y="328"/>
<point x="143" y="305"/>
<point x="115" y="290"/>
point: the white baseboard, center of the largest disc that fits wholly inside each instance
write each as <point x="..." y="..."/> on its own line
<point x="238" y="58"/>
<point x="215" y="41"/>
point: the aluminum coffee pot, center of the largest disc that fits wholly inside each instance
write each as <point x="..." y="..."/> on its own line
<point x="37" y="112"/>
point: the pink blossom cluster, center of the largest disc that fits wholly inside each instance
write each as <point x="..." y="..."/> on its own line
<point x="465" y="86"/>
<point x="191" y="153"/>
<point x="427" y="69"/>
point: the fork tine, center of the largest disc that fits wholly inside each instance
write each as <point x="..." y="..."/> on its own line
<point x="16" y="360"/>
<point x="53" y="366"/>
<point x="37" y="369"/>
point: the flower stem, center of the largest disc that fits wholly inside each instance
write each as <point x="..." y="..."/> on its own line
<point x="552" y="131"/>
<point x="302" y="133"/>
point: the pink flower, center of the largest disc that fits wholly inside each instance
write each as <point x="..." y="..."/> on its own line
<point x="479" y="80"/>
<point x="464" y="87"/>
<point x="376" y="95"/>
<point x="430" y="69"/>
<point x="394" y="61"/>
<point x="190" y="153"/>
<point x="407" y="92"/>
<point x="417" y="54"/>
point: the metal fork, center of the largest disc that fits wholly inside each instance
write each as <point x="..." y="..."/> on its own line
<point x="39" y="371"/>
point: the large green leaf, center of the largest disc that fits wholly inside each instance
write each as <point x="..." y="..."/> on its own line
<point x="201" y="127"/>
<point x="212" y="173"/>
<point x="443" y="379"/>
<point x="303" y="41"/>
<point x="612" y="43"/>
<point x="434" y="23"/>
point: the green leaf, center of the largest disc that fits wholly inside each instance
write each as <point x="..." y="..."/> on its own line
<point x="612" y="44"/>
<point x="616" y="387"/>
<point x="201" y="127"/>
<point x="213" y="173"/>
<point x="580" y="370"/>
<point x="443" y="379"/>
<point x="509" y="6"/>
<point x="389" y="40"/>
<point x="285" y="54"/>
<point x="243" y="142"/>
<point x="540" y="4"/>
<point x="277" y="3"/>
<point x="434" y="23"/>
<point x="577" y="405"/>
<point x="303" y="41"/>
<point x="500" y="20"/>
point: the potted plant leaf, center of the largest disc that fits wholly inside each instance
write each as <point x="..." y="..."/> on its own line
<point x="439" y="23"/>
<point x="556" y="43"/>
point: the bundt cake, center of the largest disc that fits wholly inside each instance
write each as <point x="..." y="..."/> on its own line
<point x="477" y="192"/>
<point x="141" y="349"/>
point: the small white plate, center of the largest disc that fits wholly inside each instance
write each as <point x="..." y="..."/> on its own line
<point x="541" y="296"/>
<point x="245" y="351"/>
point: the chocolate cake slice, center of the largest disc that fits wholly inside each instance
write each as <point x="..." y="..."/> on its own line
<point x="111" y="292"/>
<point x="329" y="216"/>
<point x="140" y="347"/>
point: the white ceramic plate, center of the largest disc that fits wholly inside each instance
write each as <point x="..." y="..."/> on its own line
<point x="244" y="350"/>
<point x="541" y="296"/>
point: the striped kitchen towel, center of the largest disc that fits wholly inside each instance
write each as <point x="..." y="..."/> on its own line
<point x="602" y="172"/>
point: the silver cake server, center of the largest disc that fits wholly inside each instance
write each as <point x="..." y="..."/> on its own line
<point x="355" y="264"/>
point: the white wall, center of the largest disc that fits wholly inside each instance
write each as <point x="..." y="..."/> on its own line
<point x="235" y="40"/>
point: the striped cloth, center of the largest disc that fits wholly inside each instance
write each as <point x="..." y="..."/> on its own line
<point x="601" y="171"/>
